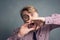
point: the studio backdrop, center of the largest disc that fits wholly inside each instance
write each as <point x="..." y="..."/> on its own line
<point x="10" y="18"/>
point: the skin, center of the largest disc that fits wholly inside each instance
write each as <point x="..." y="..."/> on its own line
<point x="24" y="29"/>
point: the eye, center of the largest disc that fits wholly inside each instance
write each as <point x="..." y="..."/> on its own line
<point x="26" y="17"/>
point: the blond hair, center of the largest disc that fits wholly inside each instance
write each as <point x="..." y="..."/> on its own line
<point x="28" y="8"/>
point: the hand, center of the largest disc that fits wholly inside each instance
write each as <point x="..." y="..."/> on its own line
<point x="40" y="21"/>
<point x="24" y="30"/>
<point x="39" y="18"/>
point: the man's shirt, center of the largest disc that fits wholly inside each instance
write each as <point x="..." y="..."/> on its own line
<point x="51" y="22"/>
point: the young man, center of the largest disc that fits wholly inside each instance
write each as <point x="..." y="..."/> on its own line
<point x="38" y="31"/>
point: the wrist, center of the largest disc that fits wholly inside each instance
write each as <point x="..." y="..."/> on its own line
<point x="43" y="19"/>
<point x="39" y="18"/>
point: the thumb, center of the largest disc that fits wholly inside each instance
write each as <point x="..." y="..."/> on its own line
<point x="31" y="29"/>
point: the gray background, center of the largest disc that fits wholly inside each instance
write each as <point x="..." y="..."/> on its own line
<point x="10" y="17"/>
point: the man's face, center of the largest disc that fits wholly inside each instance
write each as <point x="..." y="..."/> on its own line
<point x="27" y="16"/>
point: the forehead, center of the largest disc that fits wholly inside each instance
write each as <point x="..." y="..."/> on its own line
<point x="27" y="12"/>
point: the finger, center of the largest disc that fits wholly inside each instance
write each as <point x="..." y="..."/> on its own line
<point x="31" y="29"/>
<point x="38" y="18"/>
<point x="25" y="24"/>
<point x="37" y="27"/>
